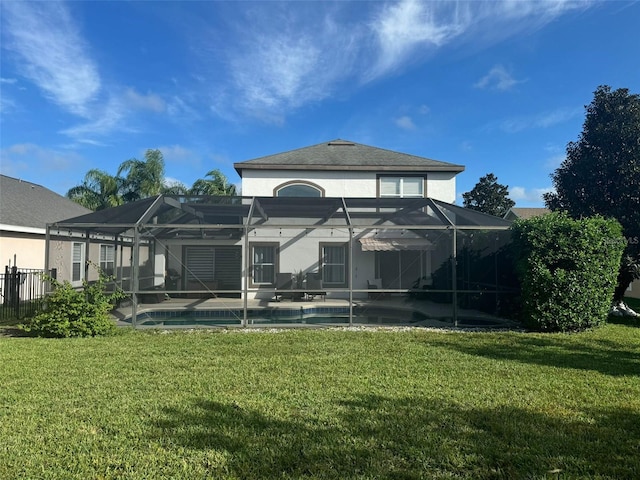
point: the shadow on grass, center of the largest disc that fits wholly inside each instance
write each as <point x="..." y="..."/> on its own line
<point x="406" y="438"/>
<point x="582" y="353"/>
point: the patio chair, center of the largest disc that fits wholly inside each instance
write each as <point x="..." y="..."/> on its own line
<point x="284" y="281"/>
<point x="375" y="285"/>
<point x="314" y="286"/>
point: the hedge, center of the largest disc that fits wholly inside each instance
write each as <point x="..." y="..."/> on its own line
<point x="568" y="270"/>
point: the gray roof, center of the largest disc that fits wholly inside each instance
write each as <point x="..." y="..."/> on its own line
<point x="26" y="204"/>
<point x="345" y="155"/>
<point x="525" y="212"/>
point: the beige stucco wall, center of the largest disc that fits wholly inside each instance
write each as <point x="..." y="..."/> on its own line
<point x="22" y="249"/>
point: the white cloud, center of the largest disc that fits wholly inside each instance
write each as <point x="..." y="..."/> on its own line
<point x="402" y="28"/>
<point x="283" y="61"/>
<point x="287" y="58"/>
<point x="53" y="53"/>
<point x="541" y="120"/>
<point x="32" y="159"/>
<point x="150" y="101"/>
<point x="10" y="81"/>
<point x="405" y="123"/>
<point x="522" y="195"/>
<point x="498" y="78"/>
<point x="104" y="120"/>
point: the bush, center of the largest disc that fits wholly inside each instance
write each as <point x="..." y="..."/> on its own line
<point x="76" y="313"/>
<point x="567" y="269"/>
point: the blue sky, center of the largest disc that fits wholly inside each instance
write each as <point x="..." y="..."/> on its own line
<point x="496" y="86"/>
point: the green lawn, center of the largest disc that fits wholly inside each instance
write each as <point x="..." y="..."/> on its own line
<point x="323" y="404"/>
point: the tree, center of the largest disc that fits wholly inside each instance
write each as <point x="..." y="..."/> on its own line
<point x="98" y="190"/>
<point x="217" y="184"/>
<point x="489" y="196"/>
<point x="601" y="173"/>
<point x="137" y="179"/>
<point x="143" y="178"/>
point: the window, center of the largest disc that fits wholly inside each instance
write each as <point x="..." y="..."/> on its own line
<point x="263" y="261"/>
<point x="402" y="187"/>
<point x="298" y="188"/>
<point x="333" y="261"/>
<point x="107" y="259"/>
<point x="77" y="264"/>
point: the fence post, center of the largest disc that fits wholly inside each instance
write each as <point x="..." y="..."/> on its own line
<point x="14" y="288"/>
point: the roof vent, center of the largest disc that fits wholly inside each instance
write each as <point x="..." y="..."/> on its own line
<point x="341" y="142"/>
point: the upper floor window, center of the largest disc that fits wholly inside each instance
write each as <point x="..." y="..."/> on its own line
<point x="298" y="188"/>
<point x="402" y="187"/>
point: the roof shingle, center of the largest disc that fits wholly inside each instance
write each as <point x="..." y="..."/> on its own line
<point x="345" y="155"/>
<point x="26" y="204"/>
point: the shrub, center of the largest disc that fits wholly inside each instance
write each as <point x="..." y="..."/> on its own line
<point x="567" y="269"/>
<point x="76" y="313"/>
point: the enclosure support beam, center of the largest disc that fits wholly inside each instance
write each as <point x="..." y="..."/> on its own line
<point x="454" y="276"/>
<point x="47" y="245"/>
<point x="134" y="276"/>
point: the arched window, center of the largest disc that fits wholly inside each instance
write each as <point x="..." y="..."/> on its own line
<point x="298" y="188"/>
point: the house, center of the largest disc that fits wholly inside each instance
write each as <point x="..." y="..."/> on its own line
<point x="341" y="168"/>
<point x="25" y="210"/>
<point x="344" y="217"/>
<point x="525" y="212"/>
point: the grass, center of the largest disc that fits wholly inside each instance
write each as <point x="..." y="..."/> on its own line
<point x="323" y="404"/>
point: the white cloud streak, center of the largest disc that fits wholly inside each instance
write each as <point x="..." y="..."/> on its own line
<point x="528" y="195"/>
<point x="498" y="78"/>
<point x="53" y="52"/>
<point x="288" y="58"/>
<point x="542" y="120"/>
<point x="405" y="123"/>
<point x="28" y="157"/>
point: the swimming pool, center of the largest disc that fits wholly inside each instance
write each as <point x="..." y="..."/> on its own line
<point x="311" y="315"/>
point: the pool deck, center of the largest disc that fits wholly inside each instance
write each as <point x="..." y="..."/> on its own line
<point x="437" y="315"/>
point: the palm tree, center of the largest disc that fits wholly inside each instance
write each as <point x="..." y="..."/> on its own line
<point x="98" y="191"/>
<point x="143" y="178"/>
<point x="217" y="184"/>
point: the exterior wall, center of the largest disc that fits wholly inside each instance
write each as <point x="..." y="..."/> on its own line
<point x="634" y="290"/>
<point x="22" y="249"/>
<point x="261" y="183"/>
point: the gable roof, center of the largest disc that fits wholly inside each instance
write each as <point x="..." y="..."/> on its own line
<point x="26" y="205"/>
<point x="525" y="212"/>
<point x="346" y="155"/>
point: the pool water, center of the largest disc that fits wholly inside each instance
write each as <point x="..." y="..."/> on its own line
<point x="362" y="315"/>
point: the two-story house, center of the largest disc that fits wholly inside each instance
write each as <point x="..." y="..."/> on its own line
<point x="338" y="218"/>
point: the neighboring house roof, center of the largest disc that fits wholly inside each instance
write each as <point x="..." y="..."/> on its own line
<point x="345" y="155"/>
<point x="28" y="207"/>
<point x="525" y="213"/>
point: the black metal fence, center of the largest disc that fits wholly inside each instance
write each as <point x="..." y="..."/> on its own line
<point x="22" y="290"/>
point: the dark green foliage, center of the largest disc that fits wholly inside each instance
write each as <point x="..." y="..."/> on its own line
<point x="76" y="313"/>
<point x="568" y="270"/>
<point x="137" y="179"/>
<point x="601" y="174"/>
<point x="488" y="196"/>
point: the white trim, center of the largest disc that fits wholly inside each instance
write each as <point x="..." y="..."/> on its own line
<point x="21" y="229"/>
